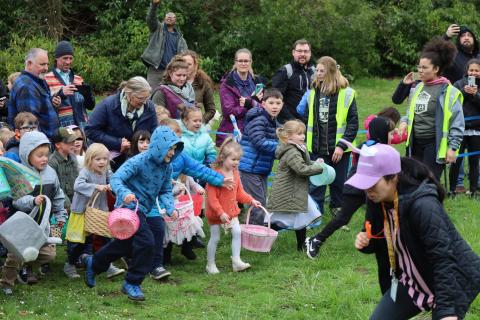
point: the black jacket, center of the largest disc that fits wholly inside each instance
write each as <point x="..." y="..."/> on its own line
<point x="446" y="262"/>
<point x="471" y="105"/>
<point x="456" y="71"/>
<point x="323" y="145"/>
<point x="292" y="89"/>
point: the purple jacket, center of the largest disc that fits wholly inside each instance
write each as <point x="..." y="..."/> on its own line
<point x="163" y="96"/>
<point x="229" y="99"/>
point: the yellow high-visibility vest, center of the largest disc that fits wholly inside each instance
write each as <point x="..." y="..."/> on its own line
<point x="451" y="96"/>
<point x="344" y="101"/>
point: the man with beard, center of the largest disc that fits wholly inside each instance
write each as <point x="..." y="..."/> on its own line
<point x="165" y="42"/>
<point x="294" y="79"/>
<point x="30" y="93"/>
<point x="467" y="46"/>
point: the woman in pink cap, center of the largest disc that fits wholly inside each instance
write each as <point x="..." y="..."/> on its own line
<point x="424" y="263"/>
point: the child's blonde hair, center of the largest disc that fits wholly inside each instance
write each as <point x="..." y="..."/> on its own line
<point x="228" y="147"/>
<point x="93" y="151"/>
<point x="162" y="112"/>
<point x="289" y="128"/>
<point x="334" y="80"/>
<point x="172" y="124"/>
<point x="5" y="135"/>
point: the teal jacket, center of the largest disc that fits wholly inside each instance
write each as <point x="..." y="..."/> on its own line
<point x="198" y="145"/>
<point x="152" y="56"/>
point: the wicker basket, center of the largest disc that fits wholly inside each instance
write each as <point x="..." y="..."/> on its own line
<point x="258" y="238"/>
<point x="96" y="220"/>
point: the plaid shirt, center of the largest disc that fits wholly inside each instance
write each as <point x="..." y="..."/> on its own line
<point x="31" y="94"/>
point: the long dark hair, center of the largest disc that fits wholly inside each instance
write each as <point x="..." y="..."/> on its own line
<point x="414" y="173"/>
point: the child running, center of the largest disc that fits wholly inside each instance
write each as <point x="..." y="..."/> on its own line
<point x="222" y="206"/>
<point x="289" y="199"/>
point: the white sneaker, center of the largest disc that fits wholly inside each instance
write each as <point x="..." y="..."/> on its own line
<point x="114" y="271"/>
<point x="212" y="268"/>
<point x="70" y="271"/>
<point x="239" y="265"/>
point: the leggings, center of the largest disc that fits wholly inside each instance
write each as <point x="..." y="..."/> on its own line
<point x="425" y="151"/>
<point x="215" y="238"/>
<point x="402" y="309"/>
<point x="472" y="143"/>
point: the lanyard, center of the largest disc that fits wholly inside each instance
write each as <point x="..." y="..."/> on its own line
<point x="391" y="239"/>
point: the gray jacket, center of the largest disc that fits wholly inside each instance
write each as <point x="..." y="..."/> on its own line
<point x="49" y="184"/>
<point x="152" y="56"/>
<point x="457" y="121"/>
<point x="84" y="188"/>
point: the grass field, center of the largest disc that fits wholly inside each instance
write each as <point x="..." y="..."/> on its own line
<point x="341" y="284"/>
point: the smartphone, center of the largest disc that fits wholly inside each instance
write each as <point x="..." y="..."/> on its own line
<point x="472" y="81"/>
<point x="259" y="87"/>
<point x="416" y="76"/>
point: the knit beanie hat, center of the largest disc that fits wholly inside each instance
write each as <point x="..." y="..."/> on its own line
<point x="63" y="48"/>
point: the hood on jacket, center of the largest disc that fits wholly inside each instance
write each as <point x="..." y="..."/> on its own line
<point x="463" y="30"/>
<point x="409" y="194"/>
<point x="258" y="112"/>
<point x="28" y="143"/>
<point x="284" y="148"/>
<point x="163" y="138"/>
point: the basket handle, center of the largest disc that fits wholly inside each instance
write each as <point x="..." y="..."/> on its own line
<point x="136" y="205"/>
<point x="268" y="214"/>
<point x="93" y="198"/>
<point x="186" y="189"/>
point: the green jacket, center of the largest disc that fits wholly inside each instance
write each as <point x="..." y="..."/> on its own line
<point x="290" y="186"/>
<point x="152" y="56"/>
<point x="67" y="172"/>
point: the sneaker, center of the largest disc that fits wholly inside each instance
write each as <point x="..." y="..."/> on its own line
<point x="89" y="273"/>
<point x="7" y="291"/>
<point x="134" y="292"/>
<point x="313" y="247"/>
<point x="211" y="268"/>
<point x="345" y="228"/>
<point x="44" y="269"/>
<point x="160" y="273"/>
<point x="22" y="275"/>
<point x="238" y="265"/>
<point x="70" y="271"/>
<point x="113" y="271"/>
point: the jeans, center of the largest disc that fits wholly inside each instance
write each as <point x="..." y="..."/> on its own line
<point x="472" y="144"/>
<point x="157" y="225"/>
<point x="402" y="309"/>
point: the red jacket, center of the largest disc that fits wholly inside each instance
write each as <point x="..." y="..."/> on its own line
<point x="221" y="200"/>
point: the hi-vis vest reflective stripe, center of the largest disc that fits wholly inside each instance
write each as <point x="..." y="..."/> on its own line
<point x="344" y="101"/>
<point x="450" y="99"/>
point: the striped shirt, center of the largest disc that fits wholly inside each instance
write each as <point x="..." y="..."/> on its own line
<point x="410" y="277"/>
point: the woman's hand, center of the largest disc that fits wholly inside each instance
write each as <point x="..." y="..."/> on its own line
<point x="256" y="203"/>
<point x="337" y="155"/>
<point x="129" y="198"/>
<point x="451" y="156"/>
<point x="471" y="90"/>
<point x="242" y="101"/>
<point x="125" y="146"/>
<point x="408" y="79"/>
<point x="362" y="240"/>
<point x="224" y="218"/>
<point x="228" y="183"/>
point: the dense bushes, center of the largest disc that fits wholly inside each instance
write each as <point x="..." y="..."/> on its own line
<point x="366" y="37"/>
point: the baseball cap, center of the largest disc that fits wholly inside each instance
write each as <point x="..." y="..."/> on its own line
<point x="375" y="162"/>
<point x="65" y="135"/>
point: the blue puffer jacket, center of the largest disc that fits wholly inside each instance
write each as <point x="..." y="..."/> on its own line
<point x="198" y="145"/>
<point x="147" y="174"/>
<point x="259" y="142"/>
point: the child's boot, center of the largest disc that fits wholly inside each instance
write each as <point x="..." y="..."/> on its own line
<point x="212" y="268"/>
<point x="70" y="271"/>
<point x="239" y="265"/>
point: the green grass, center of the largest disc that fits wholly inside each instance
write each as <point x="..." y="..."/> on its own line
<point x="341" y="284"/>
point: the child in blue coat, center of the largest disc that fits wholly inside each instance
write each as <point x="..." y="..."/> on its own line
<point x="141" y="178"/>
<point x="259" y="142"/>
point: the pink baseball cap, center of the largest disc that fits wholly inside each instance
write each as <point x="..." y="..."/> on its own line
<point x="375" y="162"/>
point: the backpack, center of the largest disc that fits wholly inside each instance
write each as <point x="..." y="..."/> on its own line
<point x="289" y="69"/>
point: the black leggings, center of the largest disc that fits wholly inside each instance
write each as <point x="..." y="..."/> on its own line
<point x="403" y="308"/>
<point x="472" y="144"/>
<point x="425" y="151"/>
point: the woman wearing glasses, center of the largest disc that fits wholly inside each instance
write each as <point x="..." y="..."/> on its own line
<point x="434" y="119"/>
<point x="115" y="120"/>
<point x="238" y="93"/>
<point x="424" y="263"/>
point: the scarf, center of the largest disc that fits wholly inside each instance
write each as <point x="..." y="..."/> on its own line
<point x="185" y="93"/>
<point x="132" y="116"/>
<point x="246" y="87"/>
<point x="440" y="80"/>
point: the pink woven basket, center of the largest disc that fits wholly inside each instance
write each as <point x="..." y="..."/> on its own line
<point x="123" y="222"/>
<point x="258" y="238"/>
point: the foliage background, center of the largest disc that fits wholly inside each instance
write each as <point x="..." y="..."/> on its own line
<point x="366" y="37"/>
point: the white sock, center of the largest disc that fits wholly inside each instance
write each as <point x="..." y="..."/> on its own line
<point x="213" y="242"/>
<point x="236" y="238"/>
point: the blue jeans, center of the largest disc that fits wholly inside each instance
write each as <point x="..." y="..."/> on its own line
<point x="75" y="250"/>
<point x="157" y="225"/>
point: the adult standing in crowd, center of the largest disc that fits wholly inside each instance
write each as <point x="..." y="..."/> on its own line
<point x="202" y="85"/>
<point x="238" y="93"/>
<point x="467" y="48"/>
<point x="165" y="42"/>
<point x="423" y="262"/>
<point x="115" y="120"/>
<point x="434" y="119"/>
<point x="293" y="79"/>
<point x="331" y="110"/>
<point x="75" y="94"/>
<point x="30" y="93"/>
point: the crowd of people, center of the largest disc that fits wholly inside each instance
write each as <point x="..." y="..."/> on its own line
<point x="149" y="143"/>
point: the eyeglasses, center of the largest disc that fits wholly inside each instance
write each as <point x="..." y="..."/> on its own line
<point x="302" y="51"/>
<point x="244" y="61"/>
<point x="141" y="99"/>
<point x="29" y="128"/>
